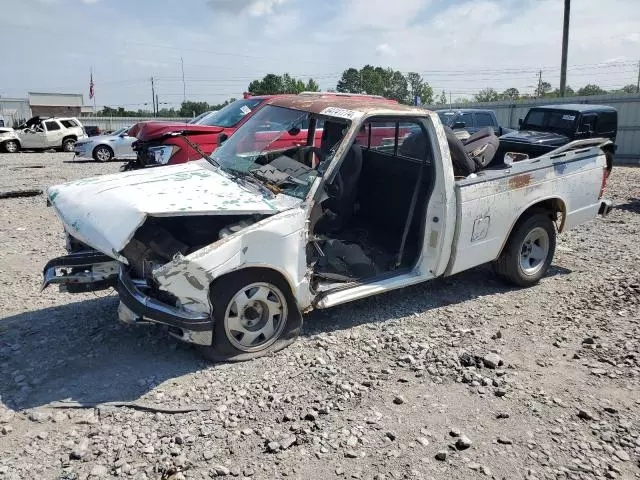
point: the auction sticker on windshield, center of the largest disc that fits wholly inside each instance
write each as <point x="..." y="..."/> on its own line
<point x="569" y="117"/>
<point x="245" y="110"/>
<point x="340" y="113"/>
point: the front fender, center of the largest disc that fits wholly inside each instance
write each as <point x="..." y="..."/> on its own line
<point x="277" y="242"/>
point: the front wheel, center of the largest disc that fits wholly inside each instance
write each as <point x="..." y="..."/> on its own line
<point x="254" y="314"/>
<point x="68" y="145"/>
<point x="102" y="153"/>
<point x="11" y="146"/>
<point x="529" y="250"/>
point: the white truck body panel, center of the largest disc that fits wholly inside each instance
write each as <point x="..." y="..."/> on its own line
<point x="490" y="203"/>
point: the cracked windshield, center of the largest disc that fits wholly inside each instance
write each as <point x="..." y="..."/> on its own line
<point x="262" y="149"/>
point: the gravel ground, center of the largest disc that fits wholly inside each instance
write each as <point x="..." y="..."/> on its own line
<point x="461" y="378"/>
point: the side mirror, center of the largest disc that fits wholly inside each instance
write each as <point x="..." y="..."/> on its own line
<point x="123" y="134"/>
<point x="519" y="122"/>
<point x="222" y="137"/>
<point x="458" y="125"/>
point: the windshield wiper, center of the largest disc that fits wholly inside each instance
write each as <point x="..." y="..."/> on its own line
<point x="209" y="158"/>
<point x="253" y="179"/>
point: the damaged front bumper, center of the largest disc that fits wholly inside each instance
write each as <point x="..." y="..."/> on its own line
<point x="193" y="327"/>
<point x="88" y="271"/>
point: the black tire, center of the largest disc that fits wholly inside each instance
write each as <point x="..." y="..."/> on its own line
<point x="223" y="293"/>
<point x="68" y="145"/>
<point x="509" y="265"/>
<point x="102" y="153"/>
<point x="11" y="146"/>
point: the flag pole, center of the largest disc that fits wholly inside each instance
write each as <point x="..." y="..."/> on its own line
<point x="93" y="93"/>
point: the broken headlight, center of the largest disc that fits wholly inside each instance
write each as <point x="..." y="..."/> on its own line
<point x="162" y="155"/>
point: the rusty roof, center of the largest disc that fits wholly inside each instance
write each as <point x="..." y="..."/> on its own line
<point x="366" y="105"/>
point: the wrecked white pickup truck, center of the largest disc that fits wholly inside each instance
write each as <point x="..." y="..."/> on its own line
<point x="229" y="251"/>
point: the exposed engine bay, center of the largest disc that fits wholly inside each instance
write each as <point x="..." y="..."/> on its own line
<point x="160" y="239"/>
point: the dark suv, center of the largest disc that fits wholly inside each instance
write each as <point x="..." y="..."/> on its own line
<point x="548" y="127"/>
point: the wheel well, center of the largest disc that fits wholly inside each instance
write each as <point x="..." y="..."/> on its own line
<point x="249" y="270"/>
<point x="11" y="140"/>
<point x="72" y="137"/>
<point x="103" y="145"/>
<point x="609" y="150"/>
<point x="552" y="206"/>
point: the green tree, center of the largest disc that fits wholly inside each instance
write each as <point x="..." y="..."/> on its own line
<point x="486" y="95"/>
<point x="350" y="82"/>
<point x="312" y="86"/>
<point x="418" y="87"/>
<point x="397" y="88"/>
<point x="568" y="92"/>
<point x="442" y="99"/>
<point x="631" y="88"/>
<point x="591" y="89"/>
<point x="510" y="94"/>
<point x="272" y="84"/>
<point x="189" y="108"/>
<point x="542" y="89"/>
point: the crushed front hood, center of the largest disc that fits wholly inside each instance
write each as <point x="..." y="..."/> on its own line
<point x="151" y="130"/>
<point x="104" y="212"/>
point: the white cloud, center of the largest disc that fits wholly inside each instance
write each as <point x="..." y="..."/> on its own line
<point x="379" y="14"/>
<point x="255" y="8"/>
<point x="89" y="2"/>
<point x="384" y="49"/>
<point x="227" y="43"/>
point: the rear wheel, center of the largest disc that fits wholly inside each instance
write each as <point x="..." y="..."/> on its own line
<point x="529" y="250"/>
<point x="68" y="144"/>
<point x="254" y="314"/>
<point x="102" y="153"/>
<point x="11" y="146"/>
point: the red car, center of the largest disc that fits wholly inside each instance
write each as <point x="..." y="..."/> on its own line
<point x="163" y="143"/>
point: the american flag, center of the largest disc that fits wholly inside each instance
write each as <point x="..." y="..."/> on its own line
<point x="91" y="91"/>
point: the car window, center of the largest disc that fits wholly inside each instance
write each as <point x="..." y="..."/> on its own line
<point x="467" y="118"/>
<point x="606" y="122"/>
<point x="68" y="123"/>
<point x="484" y="120"/>
<point x="51" y="126"/>
<point x="231" y="115"/>
<point x="410" y="142"/>
<point x="535" y="118"/>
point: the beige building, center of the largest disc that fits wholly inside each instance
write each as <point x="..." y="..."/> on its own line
<point x="55" y="104"/>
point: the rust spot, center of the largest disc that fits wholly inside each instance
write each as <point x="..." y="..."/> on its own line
<point x="519" y="181"/>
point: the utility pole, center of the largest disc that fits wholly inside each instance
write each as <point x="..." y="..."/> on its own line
<point x="153" y="97"/>
<point x="565" y="47"/>
<point x="539" y="91"/>
<point x="184" y="85"/>
<point x="638" y="84"/>
<point x="450" y="107"/>
<point x="157" y="105"/>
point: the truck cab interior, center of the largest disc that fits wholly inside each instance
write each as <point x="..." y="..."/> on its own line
<point x="372" y="220"/>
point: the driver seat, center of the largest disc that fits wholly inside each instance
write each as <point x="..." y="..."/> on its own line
<point x="343" y="190"/>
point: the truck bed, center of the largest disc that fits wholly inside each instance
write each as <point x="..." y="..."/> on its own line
<point x="489" y="203"/>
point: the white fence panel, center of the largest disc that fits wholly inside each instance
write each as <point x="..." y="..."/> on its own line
<point x="114" y="123"/>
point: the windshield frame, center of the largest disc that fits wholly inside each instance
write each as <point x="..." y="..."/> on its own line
<point x="227" y="156"/>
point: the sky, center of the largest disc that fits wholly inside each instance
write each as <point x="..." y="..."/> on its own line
<point x="460" y="46"/>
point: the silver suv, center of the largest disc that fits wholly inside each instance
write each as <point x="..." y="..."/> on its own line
<point x="42" y="132"/>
